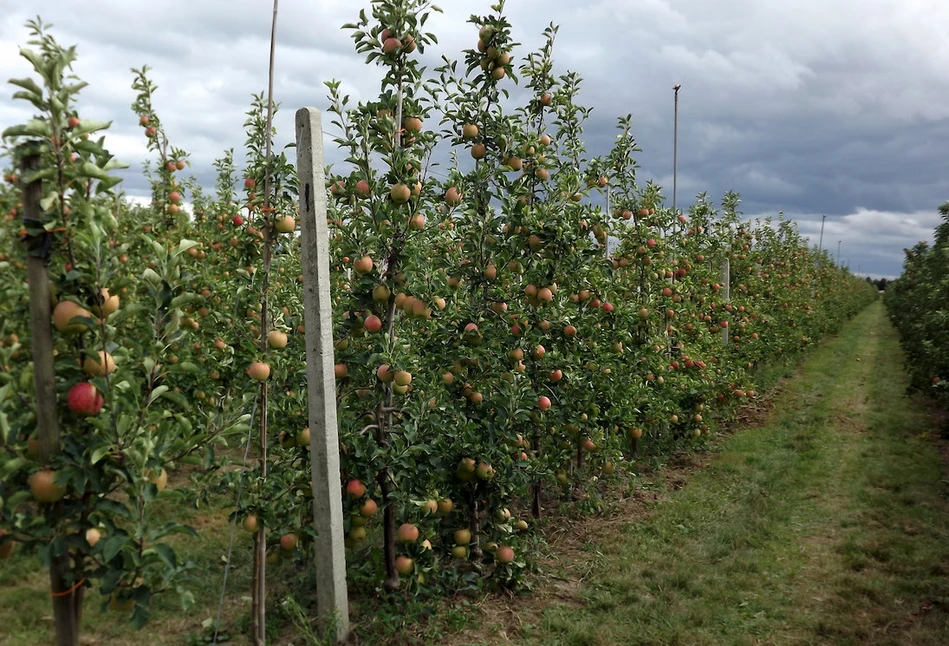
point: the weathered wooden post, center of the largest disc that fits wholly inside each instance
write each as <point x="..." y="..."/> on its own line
<point x="331" y="598"/>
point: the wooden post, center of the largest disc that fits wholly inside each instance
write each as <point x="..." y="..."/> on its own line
<point x="331" y="599"/>
<point x="727" y="287"/>
<point x="66" y="607"/>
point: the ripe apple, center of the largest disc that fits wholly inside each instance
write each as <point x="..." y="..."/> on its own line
<point x="445" y="505"/>
<point x="453" y="196"/>
<point x="543" y="402"/>
<point x="384" y="374"/>
<point x="356" y="488"/>
<point x="505" y="554"/>
<point x="237" y="220"/>
<point x="250" y="182"/>
<point x="259" y="371"/>
<point x="285" y="224"/>
<point x="363" y="265"/>
<point x="469" y="131"/>
<point x="400" y="193"/>
<point x="459" y="552"/>
<point x="462" y="537"/>
<point x="402" y="378"/>
<point x="368" y="508"/>
<point x="65" y="312"/>
<point x="570" y="331"/>
<point x="84" y="399"/>
<point x="102" y="366"/>
<point x="556" y="375"/>
<point x="404" y="564"/>
<point x="277" y="339"/>
<point x="288" y="542"/>
<point x="408" y="533"/>
<point x="110" y="304"/>
<point x="250" y="523"/>
<point x="43" y="488"/>
<point x="479" y="151"/>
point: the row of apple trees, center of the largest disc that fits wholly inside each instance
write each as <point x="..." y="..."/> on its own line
<point x="918" y="304"/>
<point x="512" y="328"/>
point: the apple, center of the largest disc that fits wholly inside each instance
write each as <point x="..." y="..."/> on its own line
<point x="391" y="45"/>
<point x="250" y="523"/>
<point x="484" y="471"/>
<point x="453" y="196"/>
<point x="363" y="265"/>
<point x="368" y="508"/>
<point x="384" y="374"/>
<point x="404" y="564"/>
<point x="250" y="182"/>
<point x="469" y="131"/>
<point x="277" y="339"/>
<point x="65" y="312"/>
<point x="479" y="151"/>
<point x="110" y="304"/>
<point x="408" y="533"/>
<point x="159" y="478"/>
<point x="556" y="375"/>
<point x="285" y="224"/>
<point x="144" y="120"/>
<point x="43" y="488"/>
<point x="259" y="371"/>
<point x="459" y="551"/>
<point x="400" y="193"/>
<point x="237" y="220"/>
<point x="462" y="537"/>
<point x="543" y="402"/>
<point x="402" y="378"/>
<point x="288" y="542"/>
<point x="570" y="331"/>
<point x="505" y="554"/>
<point x="356" y="488"/>
<point x="84" y="399"/>
<point x="445" y="505"/>
<point x="372" y="323"/>
<point x="102" y="366"/>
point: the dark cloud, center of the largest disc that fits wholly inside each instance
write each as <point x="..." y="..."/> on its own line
<point x="806" y="108"/>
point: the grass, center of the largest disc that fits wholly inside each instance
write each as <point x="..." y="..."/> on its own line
<point x="827" y="524"/>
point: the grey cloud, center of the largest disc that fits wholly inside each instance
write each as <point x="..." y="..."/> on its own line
<point x="807" y="108"/>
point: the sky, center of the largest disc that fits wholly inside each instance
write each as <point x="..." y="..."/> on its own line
<point x="805" y="108"/>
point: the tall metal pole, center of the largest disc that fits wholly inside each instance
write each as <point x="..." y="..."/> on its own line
<point x="675" y="144"/>
<point x="838" y="252"/>
<point x="820" y="244"/>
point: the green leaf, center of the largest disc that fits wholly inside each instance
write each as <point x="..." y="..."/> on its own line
<point x="87" y="125"/>
<point x="100" y="453"/>
<point x="88" y="169"/>
<point x="184" y="245"/>
<point x="27" y="84"/>
<point x="113" y="545"/>
<point x="155" y="394"/>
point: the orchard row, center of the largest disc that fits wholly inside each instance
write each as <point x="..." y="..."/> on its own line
<point x="918" y="304"/>
<point x="510" y="332"/>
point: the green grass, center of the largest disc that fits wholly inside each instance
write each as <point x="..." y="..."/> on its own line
<point x="828" y="524"/>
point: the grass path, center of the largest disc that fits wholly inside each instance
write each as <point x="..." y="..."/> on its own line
<point x="828" y="524"/>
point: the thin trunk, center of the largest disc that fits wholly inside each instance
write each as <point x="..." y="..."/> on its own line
<point x="67" y="601"/>
<point x="259" y="601"/>
<point x="474" y="526"/>
<point x="536" y="486"/>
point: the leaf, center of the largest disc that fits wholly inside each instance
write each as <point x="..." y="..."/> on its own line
<point x="167" y="554"/>
<point x="155" y="394"/>
<point x="88" y="126"/>
<point x="152" y="277"/>
<point x="184" y="245"/>
<point x="88" y="169"/>
<point x="28" y="85"/>
<point x="113" y="545"/>
<point x="100" y="453"/>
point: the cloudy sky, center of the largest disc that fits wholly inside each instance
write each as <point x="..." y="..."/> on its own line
<point x="810" y="108"/>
